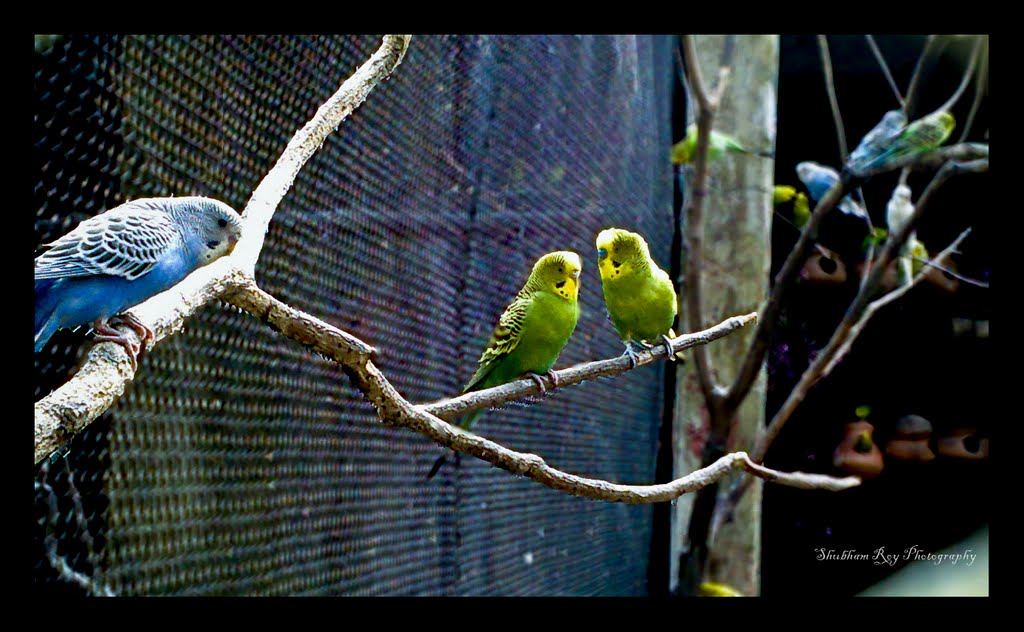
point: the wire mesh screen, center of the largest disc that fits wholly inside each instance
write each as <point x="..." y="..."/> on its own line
<point x="238" y="463"/>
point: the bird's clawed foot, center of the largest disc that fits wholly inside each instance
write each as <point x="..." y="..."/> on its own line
<point x="668" y="347"/>
<point x="539" y="382"/>
<point x="553" y="377"/>
<point x="106" y="333"/>
<point x="145" y="334"/>
<point x="631" y="355"/>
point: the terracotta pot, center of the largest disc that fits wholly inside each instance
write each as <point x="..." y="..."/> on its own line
<point x="823" y="266"/>
<point x="942" y="280"/>
<point x="888" y="281"/>
<point x="910" y="440"/>
<point x="857" y="453"/>
<point x="964" y="443"/>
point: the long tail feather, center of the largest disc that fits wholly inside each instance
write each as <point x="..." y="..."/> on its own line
<point x="45" y="322"/>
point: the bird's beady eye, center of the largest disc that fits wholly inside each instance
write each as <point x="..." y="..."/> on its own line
<point x="212" y="244"/>
<point x="222" y="222"/>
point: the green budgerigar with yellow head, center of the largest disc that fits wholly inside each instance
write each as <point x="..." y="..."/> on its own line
<point x="532" y="331"/>
<point x="640" y="296"/>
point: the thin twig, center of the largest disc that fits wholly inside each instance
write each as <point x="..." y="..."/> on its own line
<point x="885" y="69"/>
<point x="932" y="46"/>
<point x="884" y="300"/>
<point x="931" y="263"/>
<point x="107" y="370"/>
<point x="830" y="87"/>
<point x="968" y="73"/>
<point x="979" y="92"/>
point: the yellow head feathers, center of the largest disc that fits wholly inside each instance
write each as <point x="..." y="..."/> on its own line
<point x="558" y="273"/>
<point x="619" y="252"/>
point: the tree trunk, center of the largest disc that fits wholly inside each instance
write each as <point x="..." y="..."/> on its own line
<point x="736" y="267"/>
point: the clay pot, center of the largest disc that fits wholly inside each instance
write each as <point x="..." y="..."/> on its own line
<point x="888" y="281"/>
<point x="964" y="443"/>
<point x="823" y="266"/>
<point x="857" y="453"/>
<point x="910" y="440"/>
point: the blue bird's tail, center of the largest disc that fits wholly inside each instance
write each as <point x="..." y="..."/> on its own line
<point x="46" y="307"/>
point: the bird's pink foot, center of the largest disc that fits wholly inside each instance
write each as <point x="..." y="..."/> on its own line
<point x="106" y="333"/>
<point x="145" y="334"/>
<point x="554" y="378"/>
<point x="539" y="382"/>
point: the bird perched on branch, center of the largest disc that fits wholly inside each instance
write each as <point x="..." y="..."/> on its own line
<point x="640" y="297"/>
<point x="819" y="179"/>
<point x="121" y="257"/>
<point x="532" y="331"/>
<point x="685" y="151"/>
<point x="878" y="137"/>
<point x="897" y="215"/>
<point x="924" y="134"/>
<point x="783" y="194"/>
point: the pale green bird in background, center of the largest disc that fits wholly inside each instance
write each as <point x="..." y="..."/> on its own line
<point x="685" y="151"/>
<point x="532" y="331"/>
<point x="924" y="134"/>
<point x="640" y="297"/>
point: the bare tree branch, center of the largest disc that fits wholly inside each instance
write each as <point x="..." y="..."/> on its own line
<point x="830" y="87"/>
<point x="975" y="153"/>
<point x="885" y="69"/>
<point x="859" y="304"/>
<point x="932" y="47"/>
<point x="393" y="409"/>
<point x="693" y="286"/>
<point x="881" y="302"/>
<point x="457" y="406"/>
<point x="107" y="370"/>
<point x="979" y="93"/>
<point x="968" y="73"/>
<point x="768" y="316"/>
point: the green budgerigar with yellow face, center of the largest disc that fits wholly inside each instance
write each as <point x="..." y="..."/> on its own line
<point x="532" y="331"/>
<point x="640" y="297"/>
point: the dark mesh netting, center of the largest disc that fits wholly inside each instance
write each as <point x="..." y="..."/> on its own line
<point x="238" y="463"/>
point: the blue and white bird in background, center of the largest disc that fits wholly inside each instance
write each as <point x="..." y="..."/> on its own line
<point x="121" y="257"/>
<point x="884" y="147"/>
<point x="878" y="138"/>
<point x="819" y="179"/>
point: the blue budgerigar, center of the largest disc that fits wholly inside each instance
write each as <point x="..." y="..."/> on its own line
<point x="819" y="179"/>
<point x="880" y="135"/>
<point x="121" y="257"/>
<point x="920" y="136"/>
